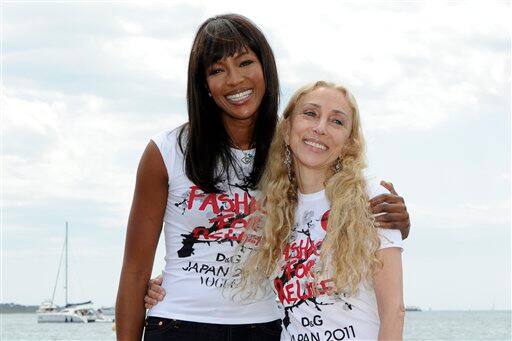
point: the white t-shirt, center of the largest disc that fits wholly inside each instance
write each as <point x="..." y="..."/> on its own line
<point x="202" y="232"/>
<point x="323" y="317"/>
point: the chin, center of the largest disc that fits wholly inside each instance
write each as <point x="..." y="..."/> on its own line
<point x="311" y="159"/>
<point x="314" y="164"/>
<point x="242" y="115"/>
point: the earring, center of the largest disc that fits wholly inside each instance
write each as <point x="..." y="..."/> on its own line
<point x="338" y="166"/>
<point x="288" y="160"/>
<point x="209" y="94"/>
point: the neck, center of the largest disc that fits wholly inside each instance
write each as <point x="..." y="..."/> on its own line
<point x="240" y="131"/>
<point x="310" y="180"/>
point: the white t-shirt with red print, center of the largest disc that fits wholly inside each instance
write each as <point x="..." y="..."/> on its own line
<point x="311" y="313"/>
<point x="202" y="233"/>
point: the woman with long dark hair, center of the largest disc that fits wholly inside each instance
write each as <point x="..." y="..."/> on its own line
<point x="200" y="181"/>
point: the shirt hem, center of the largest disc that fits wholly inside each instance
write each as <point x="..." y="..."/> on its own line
<point x="261" y="319"/>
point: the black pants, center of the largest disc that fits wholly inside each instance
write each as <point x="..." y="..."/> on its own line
<point x="159" y="329"/>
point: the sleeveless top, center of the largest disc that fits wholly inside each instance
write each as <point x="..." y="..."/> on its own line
<point x="202" y="233"/>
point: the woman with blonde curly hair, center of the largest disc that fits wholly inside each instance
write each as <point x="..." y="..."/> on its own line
<point x="335" y="274"/>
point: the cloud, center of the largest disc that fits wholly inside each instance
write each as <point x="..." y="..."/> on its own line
<point x="76" y="148"/>
<point x="411" y="65"/>
<point x="463" y="215"/>
<point x="94" y="49"/>
<point x="411" y="68"/>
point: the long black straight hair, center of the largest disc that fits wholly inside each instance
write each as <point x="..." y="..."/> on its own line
<point x="207" y="144"/>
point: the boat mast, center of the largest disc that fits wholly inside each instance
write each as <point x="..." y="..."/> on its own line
<point x="66" y="263"/>
<point x="58" y="271"/>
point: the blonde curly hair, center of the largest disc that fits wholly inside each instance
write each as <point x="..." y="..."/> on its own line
<point x="348" y="252"/>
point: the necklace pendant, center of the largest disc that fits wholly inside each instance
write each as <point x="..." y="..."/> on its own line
<point x="247" y="158"/>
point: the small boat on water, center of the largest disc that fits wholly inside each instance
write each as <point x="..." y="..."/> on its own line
<point x="74" y="313"/>
<point x="412" y="308"/>
<point x="48" y="312"/>
<point x="105" y="314"/>
<point x="107" y="311"/>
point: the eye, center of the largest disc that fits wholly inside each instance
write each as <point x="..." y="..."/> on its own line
<point x="337" y="121"/>
<point x="246" y="62"/>
<point x="310" y="113"/>
<point x="214" y="71"/>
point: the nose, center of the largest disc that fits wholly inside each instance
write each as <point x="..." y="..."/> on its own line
<point x="319" y="128"/>
<point x="234" y="77"/>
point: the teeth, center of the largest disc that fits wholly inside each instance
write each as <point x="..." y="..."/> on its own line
<point x="239" y="96"/>
<point x="316" y="145"/>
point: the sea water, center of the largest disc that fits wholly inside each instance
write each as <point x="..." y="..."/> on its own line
<point x="424" y="325"/>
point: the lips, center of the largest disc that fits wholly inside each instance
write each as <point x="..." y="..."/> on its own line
<point x="239" y="96"/>
<point x="316" y="144"/>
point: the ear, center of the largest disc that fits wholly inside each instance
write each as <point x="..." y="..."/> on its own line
<point x="344" y="149"/>
<point x="348" y="148"/>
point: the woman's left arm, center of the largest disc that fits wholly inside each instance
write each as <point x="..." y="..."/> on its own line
<point x="389" y="293"/>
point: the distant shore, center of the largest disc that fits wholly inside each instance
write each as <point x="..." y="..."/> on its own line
<point x="12" y="308"/>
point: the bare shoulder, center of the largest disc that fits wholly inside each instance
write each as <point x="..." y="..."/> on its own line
<point x="152" y="164"/>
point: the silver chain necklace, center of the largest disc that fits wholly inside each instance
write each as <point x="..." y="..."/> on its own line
<point x="247" y="158"/>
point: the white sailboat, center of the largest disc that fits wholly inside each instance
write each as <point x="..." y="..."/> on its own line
<point x="80" y="313"/>
<point x="70" y="312"/>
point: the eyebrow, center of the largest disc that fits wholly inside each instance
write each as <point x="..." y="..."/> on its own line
<point x="334" y="110"/>
<point x="240" y="54"/>
<point x="236" y="55"/>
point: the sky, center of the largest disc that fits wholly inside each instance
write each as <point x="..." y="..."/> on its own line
<point x="85" y="84"/>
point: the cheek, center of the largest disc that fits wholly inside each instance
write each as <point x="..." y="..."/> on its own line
<point x="213" y="86"/>
<point x="295" y="132"/>
<point x="259" y="78"/>
<point x="340" y="142"/>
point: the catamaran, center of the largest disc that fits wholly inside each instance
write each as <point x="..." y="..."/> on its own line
<point x="71" y="312"/>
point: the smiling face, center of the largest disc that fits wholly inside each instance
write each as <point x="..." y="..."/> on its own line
<point x="319" y="128"/>
<point x="237" y="85"/>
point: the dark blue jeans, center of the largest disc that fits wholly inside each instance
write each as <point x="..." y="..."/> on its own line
<point x="159" y="329"/>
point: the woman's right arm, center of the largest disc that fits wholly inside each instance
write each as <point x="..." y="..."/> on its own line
<point x="143" y="232"/>
<point x="388" y="285"/>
